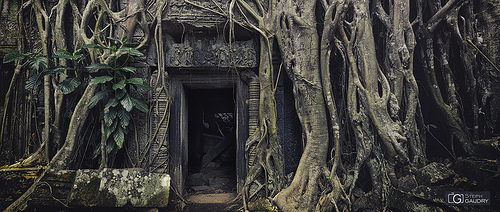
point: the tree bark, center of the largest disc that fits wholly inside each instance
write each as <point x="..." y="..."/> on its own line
<point x="60" y="41"/>
<point x="299" y="43"/>
<point x="42" y="20"/>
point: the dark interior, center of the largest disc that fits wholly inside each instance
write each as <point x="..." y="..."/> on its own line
<point x="212" y="140"/>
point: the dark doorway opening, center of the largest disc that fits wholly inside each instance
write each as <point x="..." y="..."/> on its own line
<point x="211" y="140"/>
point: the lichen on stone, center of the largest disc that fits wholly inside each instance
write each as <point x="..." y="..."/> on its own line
<point x="117" y="187"/>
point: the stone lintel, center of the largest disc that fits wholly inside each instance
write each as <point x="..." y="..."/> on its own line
<point x="204" y="52"/>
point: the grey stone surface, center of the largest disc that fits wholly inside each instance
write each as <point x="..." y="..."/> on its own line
<point x="407" y="183"/>
<point x="433" y="173"/>
<point x="433" y="193"/>
<point x="404" y="201"/>
<point x="367" y="202"/>
<point x="117" y="187"/>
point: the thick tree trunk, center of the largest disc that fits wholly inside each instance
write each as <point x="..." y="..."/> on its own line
<point x="448" y="111"/>
<point x="60" y="41"/>
<point x="265" y="143"/>
<point x="62" y="160"/>
<point x="42" y="20"/>
<point x="299" y="43"/>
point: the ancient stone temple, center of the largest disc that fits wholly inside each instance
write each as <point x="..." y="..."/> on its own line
<point x="202" y="109"/>
<point x="211" y="106"/>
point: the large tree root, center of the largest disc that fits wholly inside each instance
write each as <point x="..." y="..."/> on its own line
<point x="314" y="190"/>
<point x="302" y="194"/>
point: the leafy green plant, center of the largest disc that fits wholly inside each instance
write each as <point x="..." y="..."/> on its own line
<point x="37" y="65"/>
<point x="119" y="103"/>
<point x="112" y="79"/>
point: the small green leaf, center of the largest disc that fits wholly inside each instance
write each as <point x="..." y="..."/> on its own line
<point x="97" y="151"/>
<point x="135" y="81"/>
<point x="131" y="43"/>
<point x="112" y="128"/>
<point x="111" y="103"/>
<point x="97" y="66"/>
<point x="111" y="146"/>
<point x="109" y="130"/>
<point x="61" y="53"/>
<point x="96" y="98"/>
<point x="110" y="116"/>
<point x="77" y="52"/>
<point x="131" y="51"/>
<point x="146" y="86"/>
<point x="69" y="85"/>
<point x="119" y="85"/>
<point x="101" y="79"/>
<point x="14" y="56"/>
<point x="94" y="46"/>
<point x="120" y="93"/>
<point x="59" y="70"/>
<point x="38" y="63"/>
<point x="127" y="69"/>
<point x="119" y="137"/>
<point x="140" y="105"/>
<point x="124" y="118"/>
<point x="75" y="57"/>
<point x="115" y="39"/>
<point x="127" y="102"/>
<point x="33" y="81"/>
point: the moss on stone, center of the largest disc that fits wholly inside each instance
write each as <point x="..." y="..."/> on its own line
<point x="119" y="187"/>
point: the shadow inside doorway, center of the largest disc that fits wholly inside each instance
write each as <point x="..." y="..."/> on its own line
<point x="212" y="141"/>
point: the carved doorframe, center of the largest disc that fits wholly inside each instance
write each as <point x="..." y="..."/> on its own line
<point x="179" y="81"/>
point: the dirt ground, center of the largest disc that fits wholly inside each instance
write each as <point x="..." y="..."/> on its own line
<point x="212" y="189"/>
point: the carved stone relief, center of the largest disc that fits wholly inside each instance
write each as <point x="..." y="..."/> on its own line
<point x="211" y="52"/>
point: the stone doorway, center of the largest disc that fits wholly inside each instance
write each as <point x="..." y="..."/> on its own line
<point x="191" y="92"/>
<point x="211" y="141"/>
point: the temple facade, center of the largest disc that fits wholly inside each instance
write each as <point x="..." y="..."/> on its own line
<point x="204" y="103"/>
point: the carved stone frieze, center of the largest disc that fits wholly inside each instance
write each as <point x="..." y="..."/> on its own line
<point x="211" y="52"/>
